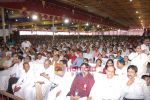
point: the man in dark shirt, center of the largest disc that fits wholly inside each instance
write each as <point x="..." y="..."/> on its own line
<point x="82" y="83"/>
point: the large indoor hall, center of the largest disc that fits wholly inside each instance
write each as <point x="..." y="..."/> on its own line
<point x="74" y="49"/>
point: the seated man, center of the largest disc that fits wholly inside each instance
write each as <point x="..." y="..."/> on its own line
<point x="134" y="88"/>
<point x="147" y="79"/>
<point x="82" y="84"/>
<point x="45" y="75"/>
<point x="107" y="86"/>
<point x="11" y="72"/>
<point x="26" y="81"/>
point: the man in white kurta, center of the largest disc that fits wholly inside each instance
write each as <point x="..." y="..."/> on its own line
<point x="147" y="80"/>
<point x="60" y="92"/>
<point x="45" y="73"/>
<point x="140" y="60"/>
<point x="121" y="69"/>
<point x="14" y="71"/>
<point x="26" y="44"/>
<point x="134" y="87"/>
<point x="40" y="59"/>
<point x="24" y="86"/>
<point x="145" y="45"/>
<point x="107" y="86"/>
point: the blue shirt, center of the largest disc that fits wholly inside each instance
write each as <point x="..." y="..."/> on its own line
<point x="78" y="61"/>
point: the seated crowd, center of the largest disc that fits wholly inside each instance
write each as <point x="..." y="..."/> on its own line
<point x="90" y="68"/>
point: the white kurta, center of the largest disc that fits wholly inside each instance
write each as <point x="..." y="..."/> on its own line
<point x="139" y="60"/>
<point x="121" y="72"/>
<point x="137" y="90"/>
<point x="47" y="83"/>
<point x="105" y="88"/>
<point x="64" y="87"/>
<point x="41" y="61"/>
<point x="5" y="75"/>
<point x="26" y="82"/>
<point x="144" y="47"/>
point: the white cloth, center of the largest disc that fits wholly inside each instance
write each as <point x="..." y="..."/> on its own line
<point x="7" y="63"/>
<point x="68" y="98"/>
<point x="89" y="56"/>
<point x="149" y="89"/>
<point x="26" y="82"/>
<point x="121" y="72"/>
<point x="4" y="82"/>
<point x="40" y="69"/>
<point x="47" y="83"/>
<point x="16" y="70"/>
<point x="139" y="60"/>
<point x="64" y="87"/>
<point x="137" y="90"/>
<point x="125" y="53"/>
<point x="41" y="61"/>
<point x="105" y="88"/>
<point x="144" y="47"/>
<point x="5" y="75"/>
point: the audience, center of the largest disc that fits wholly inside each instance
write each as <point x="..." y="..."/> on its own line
<point x="71" y="68"/>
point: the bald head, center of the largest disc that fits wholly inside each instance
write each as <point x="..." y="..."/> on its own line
<point x="46" y="63"/>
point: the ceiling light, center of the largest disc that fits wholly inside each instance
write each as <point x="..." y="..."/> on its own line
<point x="86" y="6"/>
<point x="137" y="12"/>
<point x="12" y="12"/>
<point x="34" y="17"/>
<point x="87" y="24"/>
<point x="66" y="20"/>
<point x="28" y="17"/>
<point x="139" y="17"/>
<point x="131" y="0"/>
<point x="98" y="26"/>
<point x="16" y="20"/>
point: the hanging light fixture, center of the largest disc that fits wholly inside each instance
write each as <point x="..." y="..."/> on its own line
<point x="34" y="17"/>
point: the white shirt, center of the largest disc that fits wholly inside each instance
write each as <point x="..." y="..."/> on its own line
<point x="149" y="89"/>
<point x="121" y="72"/>
<point x="7" y="63"/>
<point x="145" y="47"/>
<point x="41" y="61"/>
<point x="16" y="70"/>
<point x="105" y="88"/>
<point x="137" y="90"/>
<point x="89" y="56"/>
<point x="26" y="79"/>
<point x="139" y="60"/>
<point x="40" y="69"/>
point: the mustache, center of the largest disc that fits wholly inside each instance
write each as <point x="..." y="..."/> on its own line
<point x="129" y="75"/>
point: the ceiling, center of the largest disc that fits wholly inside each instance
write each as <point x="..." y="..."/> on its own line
<point x="131" y="13"/>
<point x="109" y="14"/>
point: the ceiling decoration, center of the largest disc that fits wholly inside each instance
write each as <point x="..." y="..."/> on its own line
<point x="121" y="11"/>
<point x="101" y="15"/>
